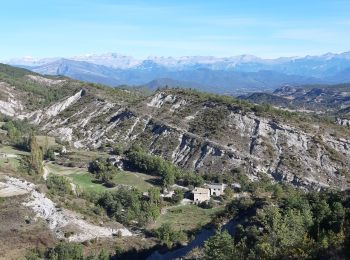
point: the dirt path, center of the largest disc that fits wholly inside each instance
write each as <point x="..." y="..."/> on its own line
<point x="46" y="172"/>
<point x="59" y="220"/>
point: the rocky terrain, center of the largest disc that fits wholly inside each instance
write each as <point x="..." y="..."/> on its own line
<point x="197" y="131"/>
<point x="59" y="220"/>
<point x="330" y="100"/>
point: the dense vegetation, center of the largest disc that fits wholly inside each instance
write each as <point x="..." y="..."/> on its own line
<point x="103" y="171"/>
<point x="58" y="185"/>
<point x="17" y="132"/>
<point x="284" y="223"/>
<point x="37" y="95"/>
<point x="128" y="205"/>
<point x="66" y="251"/>
<point x="264" y="109"/>
<point x="156" y="165"/>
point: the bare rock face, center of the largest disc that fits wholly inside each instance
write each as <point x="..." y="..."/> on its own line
<point x="206" y="135"/>
<point x="10" y="104"/>
<point x="343" y="122"/>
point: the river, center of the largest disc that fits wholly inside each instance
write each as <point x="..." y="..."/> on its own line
<point x="199" y="240"/>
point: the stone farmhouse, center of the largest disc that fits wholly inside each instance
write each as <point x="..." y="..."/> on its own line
<point x="200" y="195"/>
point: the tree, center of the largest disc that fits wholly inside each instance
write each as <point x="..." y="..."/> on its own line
<point x="58" y="185"/>
<point x="228" y="194"/>
<point x="177" y="196"/>
<point x="168" y="236"/>
<point x="36" y="156"/>
<point x="220" y="246"/>
<point x="154" y="196"/>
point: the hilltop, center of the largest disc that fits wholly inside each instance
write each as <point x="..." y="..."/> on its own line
<point x="197" y="131"/>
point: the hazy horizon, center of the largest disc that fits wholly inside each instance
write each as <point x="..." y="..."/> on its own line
<point x="267" y="29"/>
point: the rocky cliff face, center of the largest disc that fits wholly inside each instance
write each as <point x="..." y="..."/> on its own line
<point x="204" y="134"/>
<point x="207" y="136"/>
<point x="10" y="103"/>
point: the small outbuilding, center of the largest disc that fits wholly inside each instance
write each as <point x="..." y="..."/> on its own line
<point x="216" y="189"/>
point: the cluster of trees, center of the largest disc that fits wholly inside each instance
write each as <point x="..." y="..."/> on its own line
<point x="168" y="236"/>
<point x="156" y="165"/>
<point x="21" y="134"/>
<point x="127" y="205"/>
<point x="289" y="224"/>
<point x="210" y="122"/>
<point x="33" y="164"/>
<point x="103" y="171"/>
<point x="153" y="165"/>
<point x="18" y="132"/>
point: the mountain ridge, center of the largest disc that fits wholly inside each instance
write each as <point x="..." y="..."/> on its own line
<point x="197" y="131"/>
<point x="230" y="75"/>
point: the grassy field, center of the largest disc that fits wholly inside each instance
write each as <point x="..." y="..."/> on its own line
<point x="78" y="176"/>
<point x="138" y="180"/>
<point x="11" y="150"/>
<point x="62" y="170"/>
<point x="10" y="163"/>
<point x="85" y="182"/>
<point x="82" y="177"/>
<point x="86" y="155"/>
<point x="45" y="140"/>
<point x="187" y="217"/>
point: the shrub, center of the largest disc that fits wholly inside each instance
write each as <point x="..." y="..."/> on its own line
<point x="58" y="185"/>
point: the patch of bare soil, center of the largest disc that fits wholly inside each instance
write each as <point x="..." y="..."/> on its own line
<point x="20" y="230"/>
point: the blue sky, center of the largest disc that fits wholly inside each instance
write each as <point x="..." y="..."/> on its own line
<point x="266" y="28"/>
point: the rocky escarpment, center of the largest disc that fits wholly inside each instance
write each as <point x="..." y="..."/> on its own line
<point x="208" y="136"/>
<point x="343" y="122"/>
<point x="10" y="104"/>
<point x="193" y="130"/>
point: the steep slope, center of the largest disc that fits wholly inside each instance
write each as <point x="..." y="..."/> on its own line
<point x="202" y="132"/>
<point x="208" y="135"/>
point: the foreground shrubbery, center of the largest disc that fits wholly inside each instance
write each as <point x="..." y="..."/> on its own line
<point x="168" y="236"/>
<point x="58" y="185"/>
<point x="283" y="222"/>
<point x="129" y="205"/>
<point x="65" y="251"/>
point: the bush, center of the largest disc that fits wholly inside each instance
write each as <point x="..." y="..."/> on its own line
<point x="169" y="237"/>
<point x="58" y="185"/>
<point x="177" y="196"/>
<point x="66" y="251"/>
<point x="103" y="171"/>
<point x="50" y="154"/>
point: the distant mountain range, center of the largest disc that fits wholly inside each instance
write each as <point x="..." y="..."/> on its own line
<point x="230" y="75"/>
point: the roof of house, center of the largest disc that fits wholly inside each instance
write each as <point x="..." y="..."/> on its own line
<point x="216" y="185"/>
<point x="200" y="191"/>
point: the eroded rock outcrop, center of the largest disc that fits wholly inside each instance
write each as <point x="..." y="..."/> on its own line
<point x="205" y="136"/>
